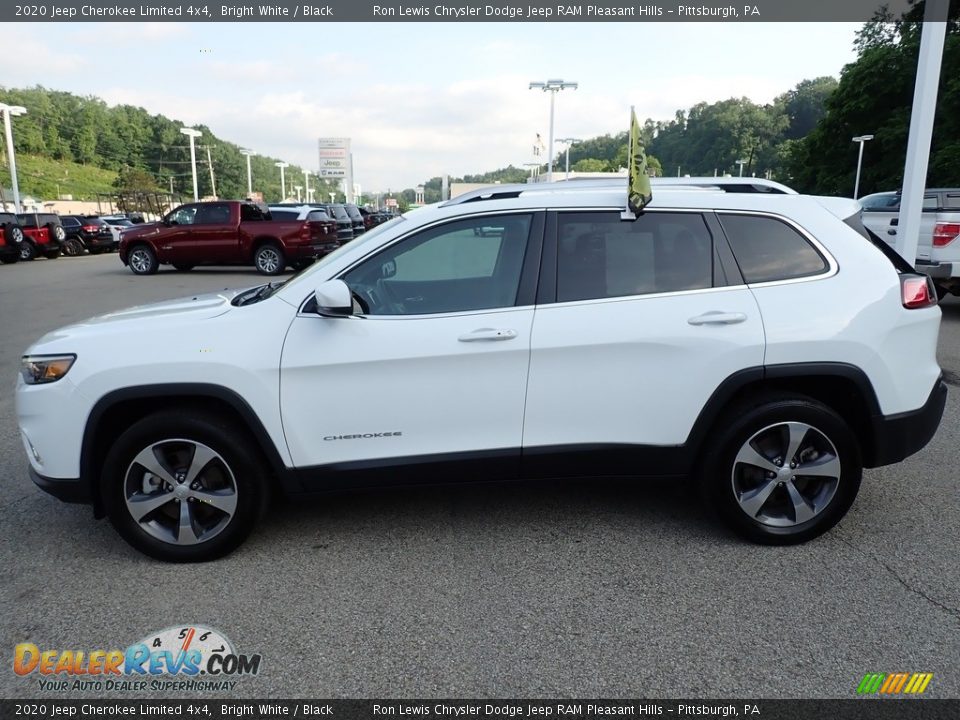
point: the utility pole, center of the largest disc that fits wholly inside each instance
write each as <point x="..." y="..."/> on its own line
<point x="213" y="184"/>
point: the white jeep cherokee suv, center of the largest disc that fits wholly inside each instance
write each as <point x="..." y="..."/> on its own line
<point x="757" y="342"/>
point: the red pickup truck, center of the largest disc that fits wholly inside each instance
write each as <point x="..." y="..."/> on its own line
<point x="226" y="233"/>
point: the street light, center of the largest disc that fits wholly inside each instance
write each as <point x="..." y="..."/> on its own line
<point x="283" y="182"/>
<point x="248" y="153"/>
<point x="534" y="168"/>
<point x="856" y="183"/>
<point x="570" y="142"/>
<point x="307" y="190"/>
<point x="298" y="188"/>
<point x="7" y="111"/>
<point x="741" y="163"/>
<point x="552" y="87"/>
<point x="193" y="135"/>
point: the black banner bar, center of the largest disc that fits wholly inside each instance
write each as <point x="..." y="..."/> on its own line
<point x="452" y="11"/>
<point x="854" y="709"/>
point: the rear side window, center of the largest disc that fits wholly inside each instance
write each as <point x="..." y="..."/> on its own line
<point x="952" y="201"/>
<point x="251" y="213"/>
<point x="601" y="256"/>
<point x="284" y="214"/>
<point x="768" y="249"/>
<point x="317" y="216"/>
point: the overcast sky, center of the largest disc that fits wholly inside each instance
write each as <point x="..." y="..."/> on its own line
<point x="418" y="100"/>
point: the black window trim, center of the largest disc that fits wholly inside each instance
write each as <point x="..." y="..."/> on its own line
<point x="529" y="271"/>
<point x="832" y="266"/>
<point x="724" y="277"/>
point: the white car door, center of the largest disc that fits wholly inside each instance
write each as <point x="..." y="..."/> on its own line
<point x="644" y="329"/>
<point x="435" y="364"/>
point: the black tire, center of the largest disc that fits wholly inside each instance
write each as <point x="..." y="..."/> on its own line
<point x="269" y="259"/>
<point x="72" y="247"/>
<point x="10" y="259"/>
<point x="234" y="475"/>
<point x="733" y="488"/>
<point x="142" y="260"/>
<point x="182" y="267"/>
<point x="52" y="254"/>
<point x="56" y="232"/>
<point x="28" y="251"/>
<point x="13" y="234"/>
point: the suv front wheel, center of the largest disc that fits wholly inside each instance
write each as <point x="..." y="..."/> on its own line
<point x="183" y="488"/>
<point x="781" y="470"/>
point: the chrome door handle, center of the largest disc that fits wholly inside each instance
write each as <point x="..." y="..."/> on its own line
<point x="488" y="334"/>
<point x="718" y="318"/>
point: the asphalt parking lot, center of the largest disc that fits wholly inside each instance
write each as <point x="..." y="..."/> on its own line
<point x="569" y="590"/>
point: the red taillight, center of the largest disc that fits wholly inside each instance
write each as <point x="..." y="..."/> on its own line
<point x="91" y="228"/>
<point x="917" y="291"/>
<point x="945" y="233"/>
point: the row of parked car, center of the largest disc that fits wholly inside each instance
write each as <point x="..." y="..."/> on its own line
<point x="27" y="236"/>
<point x="326" y="226"/>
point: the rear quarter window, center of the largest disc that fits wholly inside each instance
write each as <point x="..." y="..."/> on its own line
<point x="768" y="249"/>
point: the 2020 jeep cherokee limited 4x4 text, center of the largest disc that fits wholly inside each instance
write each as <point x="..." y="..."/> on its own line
<point x="759" y="343"/>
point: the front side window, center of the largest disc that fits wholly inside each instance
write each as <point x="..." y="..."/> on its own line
<point x="471" y="264"/>
<point x="183" y="216"/>
<point x="769" y="249"/>
<point x="601" y="256"/>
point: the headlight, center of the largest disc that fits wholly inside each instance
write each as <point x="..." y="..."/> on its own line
<point x="38" y="369"/>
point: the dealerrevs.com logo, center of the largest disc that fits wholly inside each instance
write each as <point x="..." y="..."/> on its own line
<point x="190" y="657"/>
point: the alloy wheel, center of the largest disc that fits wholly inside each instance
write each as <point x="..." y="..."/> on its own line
<point x="786" y="474"/>
<point x="140" y="260"/>
<point x="268" y="260"/>
<point x="180" y="492"/>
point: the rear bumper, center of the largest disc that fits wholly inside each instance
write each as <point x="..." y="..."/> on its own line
<point x="899" y="436"/>
<point x="69" y="490"/>
<point x="939" y="270"/>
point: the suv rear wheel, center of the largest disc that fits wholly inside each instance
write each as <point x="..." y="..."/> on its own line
<point x="183" y="488"/>
<point x="781" y="470"/>
<point x="72" y="247"/>
<point x="28" y="251"/>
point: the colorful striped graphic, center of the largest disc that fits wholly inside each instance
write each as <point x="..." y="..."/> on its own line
<point x="894" y="683"/>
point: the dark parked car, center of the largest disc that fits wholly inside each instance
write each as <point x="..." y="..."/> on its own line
<point x="11" y="238"/>
<point x="88" y="233"/>
<point x="372" y="219"/>
<point x="359" y="226"/>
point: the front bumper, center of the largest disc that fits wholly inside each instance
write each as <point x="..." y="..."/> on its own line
<point x="899" y="436"/>
<point x="70" y="490"/>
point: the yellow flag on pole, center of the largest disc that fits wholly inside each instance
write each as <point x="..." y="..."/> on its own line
<point x="639" y="193"/>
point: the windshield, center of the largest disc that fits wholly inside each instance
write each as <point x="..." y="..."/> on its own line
<point x="365" y="238"/>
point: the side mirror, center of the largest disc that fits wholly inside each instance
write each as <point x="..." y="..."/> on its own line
<point x="333" y="299"/>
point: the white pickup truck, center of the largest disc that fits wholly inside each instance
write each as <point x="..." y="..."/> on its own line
<point x="938" y="248"/>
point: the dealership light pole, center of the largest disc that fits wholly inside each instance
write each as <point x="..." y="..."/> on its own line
<point x="7" y="111"/>
<point x="306" y="182"/>
<point x="570" y="143"/>
<point x="856" y="183"/>
<point x="553" y="87"/>
<point x="193" y="135"/>
<point x="248" y="153"/>
<point x="283" y="182"/>
<point x="741" y="163"/>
